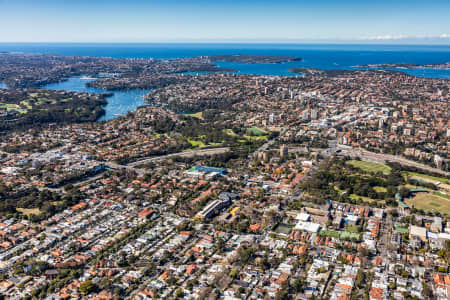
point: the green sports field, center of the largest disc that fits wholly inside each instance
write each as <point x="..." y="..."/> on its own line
<point x="427" y="201"/>
<point x="370" y="166"/>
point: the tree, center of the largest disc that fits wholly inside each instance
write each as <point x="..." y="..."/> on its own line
<point x="427" y="291"/>
<point x="298" y="285"/>
<point x="283" y="293"/>
<point x="179" y="293"/>
<point x="245" y="254"/>
<point x="393" y="212"/>
<point x="363" y="252"/>
<point x="86" y="287"/>
<point x="404" y="192"/>
<point x="360" y="276"/>
<point x="220" y="245"/>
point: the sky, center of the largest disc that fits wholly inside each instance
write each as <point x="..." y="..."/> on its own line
<point x="362" y="21"/>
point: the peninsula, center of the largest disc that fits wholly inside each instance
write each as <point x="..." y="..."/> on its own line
<point x="440" y="66"/>
<point x="253" y="59"/>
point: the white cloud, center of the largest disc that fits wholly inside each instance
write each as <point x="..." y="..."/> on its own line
<point x="384" y="37"/>
<point x="389" y="37"/>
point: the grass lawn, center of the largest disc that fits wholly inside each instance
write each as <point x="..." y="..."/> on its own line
<point x="353" y="228"/>
<point x="441" y="195"/>
<point x="196" y="143"/>
<point x="401" y="229"/>
<point x="230" y="132"/>
<point x="257" y="131"/>
<point x="370" y="166"/>
<point x="263" y="138"/>
<point x="158" y="135"/>
<point x="44" y="101"/>
<point x="215" y="144"/>
<point x="198" y="115"/>
<point x="339" y="234"/>
<point x="27" y="104"/>
<point x="258" y="135"/>
<point x="346" y="234"/>
<point x="380" y="189"/>
<point x="200" y="144"/>
<point x="337" y="189"/>
<point x="332" y="233"/>
<point x="428" y="201"/>
<point x="29" y="211"/>
<point x="365" y="199"/>
<point x="441" y="179"/>
<point x="445" y="183"/>
<point x="9" y="106"/>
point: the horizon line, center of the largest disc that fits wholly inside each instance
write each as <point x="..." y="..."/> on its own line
<point x="343" y="42"/>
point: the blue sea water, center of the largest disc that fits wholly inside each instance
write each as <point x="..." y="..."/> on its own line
<point x="319" y="56"/>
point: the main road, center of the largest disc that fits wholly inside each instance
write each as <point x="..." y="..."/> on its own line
<point x="133" y="166"/>
<point x="383" y="158"/>
<point x="210" y="151"/>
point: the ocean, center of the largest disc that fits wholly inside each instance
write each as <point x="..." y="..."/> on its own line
<point x="319" y="56"/>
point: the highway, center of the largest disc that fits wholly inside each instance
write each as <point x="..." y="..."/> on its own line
<point x="192" y="153"/>
<point x="140" y="172"/>
<point x="383" y="158"/>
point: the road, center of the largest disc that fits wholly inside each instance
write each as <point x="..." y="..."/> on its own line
<point x="192" y="153"/>
<point x="263" y="148"/>
<point x="385" y="238"/>
<point x="267" y="144"/>
<point x="140" y="172"/>
<point x="382" y="158"/>
<point x="132" y="166"/>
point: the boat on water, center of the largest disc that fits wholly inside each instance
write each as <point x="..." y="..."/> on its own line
<point x="87" y="78"/>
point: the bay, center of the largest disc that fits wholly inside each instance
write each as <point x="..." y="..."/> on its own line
<point x="320" y="56"/>
<point x="119" y="103"/>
